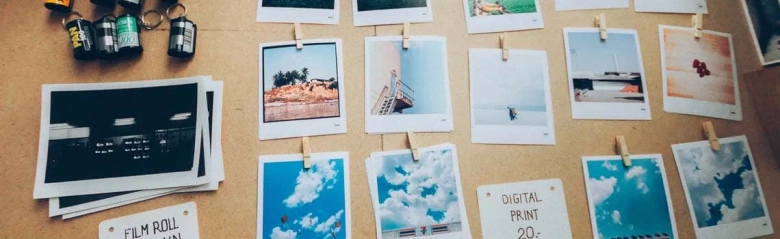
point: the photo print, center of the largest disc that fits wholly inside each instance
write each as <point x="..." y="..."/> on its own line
<point x="671" y="6"/>
<point x="722" y="189"/>
<point x="629" y="202"/>
<point x="564" y="5"/>
<point x="483" y="16"/>
<point x="606" y="77"/>
<point x="301" y="90"/>
<point x="73" y="206"/>
<point x="699" y="75"/>
<point x="510" y="100"/>
<point x="763" y="17"/>
<point x="300" y="11"/>
<point x="418" y="199"/>
<point x="294" y="202"/>
<point x="407" y="90"/>
<point x="115" y="137"/>
<point x="384" y="12"/>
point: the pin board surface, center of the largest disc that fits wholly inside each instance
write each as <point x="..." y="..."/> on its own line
<point x="180" y="221"/>
<point x="534" y="209"/>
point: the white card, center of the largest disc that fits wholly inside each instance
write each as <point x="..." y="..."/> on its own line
<point x="671" y="6"/>
<point x="563" y="5"/>
<point x="535" y="209"/>
<point x="180" y="221"/>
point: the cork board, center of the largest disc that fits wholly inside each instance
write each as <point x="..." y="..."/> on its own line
<point x="34" y="50"/>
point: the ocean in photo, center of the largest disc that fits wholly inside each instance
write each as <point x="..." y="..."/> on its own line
<point x="527" y="115"/>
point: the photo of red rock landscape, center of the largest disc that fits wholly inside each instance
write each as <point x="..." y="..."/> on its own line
<point x="300" y="85"/>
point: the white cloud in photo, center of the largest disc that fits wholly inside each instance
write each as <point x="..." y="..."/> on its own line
<point x="325" y="226"/>
<point x="307" y="221"/>
<point x="600" y="189"/>
<point x="643" y="188"/>
<point x="311" y="182"/>
<point x="616" y="217"/>
<point x="435" y="171"/>
<point x="635" y="171"/>
<point x="747" y="202"/>
<point x="609" y="166"/>
<point x="278" y="233"/>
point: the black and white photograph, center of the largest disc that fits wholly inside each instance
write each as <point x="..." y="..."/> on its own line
<point x="115" y="137"/>
<point x="722" y="188"/>
<point x="484" y="16"/>
<point x="763" y="17"/>
<point x="510" y="100"/>
<point x="301" y="91"/>
<point x="384" y="12"/>
<point x="606" y="77"/>
<point x="407" y="89"/>
<point x="300" y="11"/>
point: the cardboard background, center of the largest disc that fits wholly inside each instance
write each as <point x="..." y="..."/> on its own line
<point x="35" y="50"/>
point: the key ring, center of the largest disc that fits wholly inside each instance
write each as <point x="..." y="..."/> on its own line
<point x="68" y="16"/>
<point x="168" y="11"/>
<point x="151" y="26"/>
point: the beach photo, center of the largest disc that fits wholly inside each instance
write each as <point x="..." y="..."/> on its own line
<point x="763" y="17"/>
<point x="301" y="89"/>
<point x="723" y="190"/>
<point x="484" y="16"/>
<point x="614" y="191"/>
<point x="510" y="98"/>
<point x="479" y="8"/>
<point x="298" y="11"/>
<point x="418" y="199"/>
<point x="407" y="84"/>
<point x="606" y="77"/>
<point x="700" y="75"/>
<point x="383" y="12"/>
<point x="294" y="202"/>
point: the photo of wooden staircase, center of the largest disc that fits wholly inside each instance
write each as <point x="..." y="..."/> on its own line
<point x="394" y="98"/>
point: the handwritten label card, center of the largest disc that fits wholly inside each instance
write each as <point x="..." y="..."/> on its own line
<point x="175" y="222"/>
<point x="524" y="210"/>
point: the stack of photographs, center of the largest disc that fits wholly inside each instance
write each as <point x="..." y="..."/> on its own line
<point x="106" y="145"/>
<point x="421" y="198"/>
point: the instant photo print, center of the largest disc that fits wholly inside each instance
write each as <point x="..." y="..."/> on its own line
<point x="300" y="11"/>
<point x="483" y="16"/>
<point x="384" y="12"/>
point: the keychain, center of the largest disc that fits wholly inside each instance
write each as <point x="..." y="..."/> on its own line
<point x="182" y="39"/>
<point x="58" y="5"/>
<point x="106" y="37"/>
<point x="80" y="32"/>
<point x="128" y="32"/>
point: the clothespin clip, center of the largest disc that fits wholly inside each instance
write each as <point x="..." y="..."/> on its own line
<point x="298" y="36"/>
<point x="601" y="23"/>
<point x="413" y="145"/>
<point x="306" y="152"/>
<point x="406" y="34"/>
<point x="698" y="25"/>
<point x="709" y="132"/>
<point x="504" y="50"/>
<point x="622" y="148"/>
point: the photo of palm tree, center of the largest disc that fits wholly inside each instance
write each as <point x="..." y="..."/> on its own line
<point x="318" y="4"/>
<point x="372" y="5"/>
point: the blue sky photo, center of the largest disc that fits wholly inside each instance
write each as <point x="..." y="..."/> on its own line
<point x="417" y="194"/>
<point x="722" y="184"/>
<point x="422" y="68"/>
<point x="319" y="58"/>
<point x="313" y="200"/>
<point x="590" y="54"/>
<point x="629" y="201"/>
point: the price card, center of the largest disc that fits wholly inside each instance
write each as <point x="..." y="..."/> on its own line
<point x="524" y="210"/>
<point x="175" y="222"/>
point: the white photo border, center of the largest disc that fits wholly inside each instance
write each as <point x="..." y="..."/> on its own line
<point x="298" y="15"/>
<point x="568" y="5"/>
<point x="656" y="6"/>
<point x="391" y="16"/>
<point x="503" y="23"/>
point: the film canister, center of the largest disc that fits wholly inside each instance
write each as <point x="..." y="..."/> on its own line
<point x="104" y="3"/>
<point x="128" y="35"/>
<point x="81" y="37"/>
<point x="131" y="4"/>
<point x="183" y="35"/>
<point x="106" y="37"/>
<point x="58" y="5"/>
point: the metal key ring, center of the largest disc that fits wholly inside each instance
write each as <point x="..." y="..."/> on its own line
<point x="151" y="26"/>
<point x="168" y="11"/>
<point x="68" y="16"/>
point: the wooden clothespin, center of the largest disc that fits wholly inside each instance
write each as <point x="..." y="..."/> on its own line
<point x="709" y="132"/>
<point x="622" y="149"/>
<point x="298" y="36"/>
<point x="406" y="34"/>
<point x="504" y="50"/>
<point x="698" y="25"/>
<point x="306" y="152"/>
<point x="413" y="145"/>
<point x="601" y="23"/>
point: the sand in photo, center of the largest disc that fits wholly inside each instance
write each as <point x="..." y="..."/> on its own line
<point x="712" y="81"/>
<point x="764" y="19"/>
<point x="372" y="5"/>
<point x="615" y="191"/>
<point x="606" y="71"/>
<point x="300" y="84"/>
<point x="318" y="4"/>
